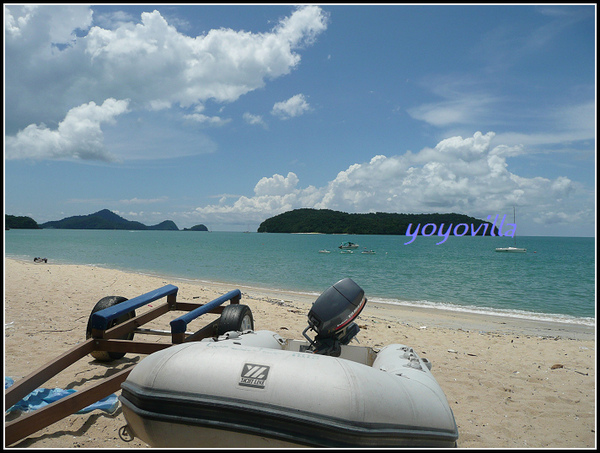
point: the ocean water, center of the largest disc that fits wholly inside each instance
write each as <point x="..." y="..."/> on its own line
<point x="554" y="280"/>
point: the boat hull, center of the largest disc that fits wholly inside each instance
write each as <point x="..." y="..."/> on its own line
<point x="511" y="250"/>
<point x="235" y="393"/>
<point x="348" y="246"/>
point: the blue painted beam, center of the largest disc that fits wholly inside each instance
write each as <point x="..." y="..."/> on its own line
<point x="102" y="319"/>
<point x="179" y="325"/>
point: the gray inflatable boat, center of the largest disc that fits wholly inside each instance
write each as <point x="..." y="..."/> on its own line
<point x="257" y="389"/>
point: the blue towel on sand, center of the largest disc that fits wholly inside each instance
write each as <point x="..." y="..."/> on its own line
<point x="42" y="397"/>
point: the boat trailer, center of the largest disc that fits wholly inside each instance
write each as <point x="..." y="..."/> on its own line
<point x="110" y="335"/>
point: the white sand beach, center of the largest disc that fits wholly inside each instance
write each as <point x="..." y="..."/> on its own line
<point x="511" y="383"/>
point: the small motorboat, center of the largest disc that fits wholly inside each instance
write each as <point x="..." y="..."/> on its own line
<point x="511" y="249"/>
<point x="368" y="252"/>
<point x="348" y="245"/>
<point x="257" y="389"/>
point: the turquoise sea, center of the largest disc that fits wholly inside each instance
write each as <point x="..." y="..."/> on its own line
<point x="554" y="280"/>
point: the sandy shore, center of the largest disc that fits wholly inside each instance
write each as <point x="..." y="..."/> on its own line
<point x="510" y="383"/>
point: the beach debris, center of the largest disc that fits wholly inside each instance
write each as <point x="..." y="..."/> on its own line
<point x="42" y="397"/>
<point x="423" y="327"/>
<point x="452" y="351"/>
<point x="56" y="331"/>
<point x="556" y="366"/>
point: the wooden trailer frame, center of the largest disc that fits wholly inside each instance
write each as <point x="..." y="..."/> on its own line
<point x="105" y="338"/>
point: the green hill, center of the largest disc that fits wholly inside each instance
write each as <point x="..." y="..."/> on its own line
<point x="199" y="227"/>
<point x="23" y="222"/>
<point x="105" y="220"/>
<point x="167" y="225"/>
<point x="334" y="222"/>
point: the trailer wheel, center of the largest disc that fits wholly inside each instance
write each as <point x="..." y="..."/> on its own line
<point x="235" y="317"/>
<point x="105" y="302"/>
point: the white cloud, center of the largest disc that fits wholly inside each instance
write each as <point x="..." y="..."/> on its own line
<point x="272" y="196"/>
<point x="208" y="120"/>
<point x="78" y="135"/>
<point x="294" y="106"/>
<point x="458" y="175"/>
<point x="200" y="118"/>
<point x="255" y="120"/>
<point x="136" y="200"/>
<point x="221" y="65"/>
<point x="113" y="19"/>
<point x="462" y="101"/>
<point x="277" y="185"/>
<point x="465" y="175"/>
<point x="302" y="28"/>
<point x="48" y="25"/>
<point x="150" y="62"/>
<point x="563" y="124"/>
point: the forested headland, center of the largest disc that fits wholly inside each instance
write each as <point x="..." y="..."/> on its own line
<point x="327" y="221"/>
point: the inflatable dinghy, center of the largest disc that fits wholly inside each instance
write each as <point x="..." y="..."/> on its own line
<point x="257" y="389"/>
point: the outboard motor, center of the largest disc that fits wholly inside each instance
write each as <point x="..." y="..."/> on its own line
<point x="331" y="317"/>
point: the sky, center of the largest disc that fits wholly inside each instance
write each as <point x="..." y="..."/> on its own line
<point x="226" y="115"/>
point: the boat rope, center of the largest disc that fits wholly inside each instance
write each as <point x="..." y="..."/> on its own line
<point x="125" y="434"/>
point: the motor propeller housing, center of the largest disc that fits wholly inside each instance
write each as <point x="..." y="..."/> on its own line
<point x="331" y="317"/>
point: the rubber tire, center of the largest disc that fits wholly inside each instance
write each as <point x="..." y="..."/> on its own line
<point x="235" y="317"/>
<point x="105" y="302"/>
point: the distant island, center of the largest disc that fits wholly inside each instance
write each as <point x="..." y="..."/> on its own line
<point x="304" y="220"/>
<point x="326" y="221"/>
<point x="196" y="228"/>
<point x="105" y="220"/>
<point x="101" y="220"/>
<point x="20" y="222"/>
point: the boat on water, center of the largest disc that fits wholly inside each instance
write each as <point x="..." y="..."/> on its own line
<point x="348" y="245"/>
<point x="512" y="249"/>
<point x="256" y="389"/>
<point x="368" y="252"/>
<point x="324" y="251"/>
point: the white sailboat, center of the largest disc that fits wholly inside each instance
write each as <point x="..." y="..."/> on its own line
<point x="514" y="249"/>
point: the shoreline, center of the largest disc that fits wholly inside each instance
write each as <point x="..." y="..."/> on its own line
<point x="510" y="384"/>
<point x="531" y="323"/>
<point x="438" y="316"/>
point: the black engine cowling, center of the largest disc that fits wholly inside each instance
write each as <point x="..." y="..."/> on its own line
<point x="331" y="317"/>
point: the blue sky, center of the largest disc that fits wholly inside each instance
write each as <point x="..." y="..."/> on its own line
<point x="228" y="115"/>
